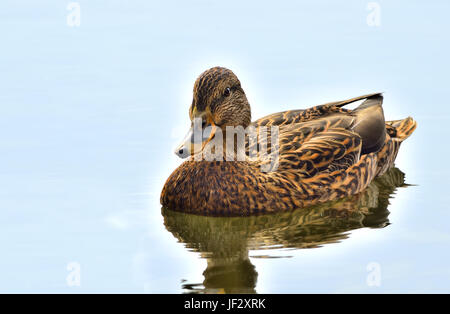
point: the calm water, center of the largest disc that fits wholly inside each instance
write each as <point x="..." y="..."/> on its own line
<point x="89" y="117"/>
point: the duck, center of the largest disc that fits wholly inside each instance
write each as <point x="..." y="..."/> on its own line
<point x="306" y="156"/>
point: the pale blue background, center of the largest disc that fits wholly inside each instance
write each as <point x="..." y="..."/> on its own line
<point x="89" y="116"/>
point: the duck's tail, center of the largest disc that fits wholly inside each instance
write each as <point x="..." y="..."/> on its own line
<point x="398" y="131"/>
<point x="401" y="129"/>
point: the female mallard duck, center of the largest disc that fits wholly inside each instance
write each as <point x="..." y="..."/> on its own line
<point x="323" y="153"/>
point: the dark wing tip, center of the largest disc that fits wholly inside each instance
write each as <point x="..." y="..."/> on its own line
<point x="367" y="97"/>
<point x="370" y="124"/>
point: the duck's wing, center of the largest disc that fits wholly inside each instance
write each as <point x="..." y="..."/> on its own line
<point x="305" y="115"/>
<point x="325" y="151"/>
<point x="334" y="142"/>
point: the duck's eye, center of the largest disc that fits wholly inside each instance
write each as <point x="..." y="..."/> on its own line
<point x="227" y="92"/>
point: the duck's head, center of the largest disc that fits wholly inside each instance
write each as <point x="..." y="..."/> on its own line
<point x="219" y="101"/>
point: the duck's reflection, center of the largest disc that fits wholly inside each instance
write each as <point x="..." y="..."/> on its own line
<point x="225" y="242"/>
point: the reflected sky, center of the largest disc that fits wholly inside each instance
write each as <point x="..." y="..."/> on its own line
<point x="90" y="116"/>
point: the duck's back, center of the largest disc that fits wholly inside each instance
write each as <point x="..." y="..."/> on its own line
<point x="329" y="147"/>
<point x="313" y="113"/>
<point x="325" y="129"/>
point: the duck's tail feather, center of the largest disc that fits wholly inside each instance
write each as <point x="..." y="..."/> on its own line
<point x="398" y="131"/>
<point x="401" y="129"/>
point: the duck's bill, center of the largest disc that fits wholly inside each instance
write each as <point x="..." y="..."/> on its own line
<point x="195" y="140"/>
